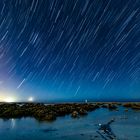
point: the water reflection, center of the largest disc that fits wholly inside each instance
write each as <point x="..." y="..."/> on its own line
<point x="13" y="123"/>
<point x="126" y="126"/>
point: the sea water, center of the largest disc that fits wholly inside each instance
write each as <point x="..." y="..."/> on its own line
<point x="125" y="127"/>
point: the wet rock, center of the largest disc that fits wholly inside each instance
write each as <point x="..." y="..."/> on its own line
<point x="112" y="107"/>
<point x="63" y="111"/>
<point x="104" y="106"/>
<point x="44" y="112"/>
<point x="49" y="117"/>
<point x="40" y="113"/>
<point x="135" y="106"/>
<point x="83" y="112"/>
<point x="127" y="105"/>
<point x="74" y="114"/>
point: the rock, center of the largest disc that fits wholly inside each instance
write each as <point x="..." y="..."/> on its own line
<point x="74" y="114"/>
<point x="62" y="111"/>
<point x="44" y="112"/>
<point x="112" y="107"/>
<point x="127" y="105"/>
<point x="39" y="113"/>
<point x="92" y="107"/>
<point x="135" y="106"/>
<point x="83" y="112"/>
<point x="50" y="117"/>
<point x="104" y="106"/>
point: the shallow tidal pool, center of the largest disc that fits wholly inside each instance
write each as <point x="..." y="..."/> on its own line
<point x="125" y="127"/>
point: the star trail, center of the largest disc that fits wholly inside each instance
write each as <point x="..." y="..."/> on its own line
<point x="70" y="49"/>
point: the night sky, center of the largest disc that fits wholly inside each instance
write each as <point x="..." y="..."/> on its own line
<point x="70" y="49"/>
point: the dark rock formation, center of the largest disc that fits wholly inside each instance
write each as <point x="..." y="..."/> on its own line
<point x="83" y="112"/>
<point x="44" y="112"/>
<point x="135" y="106"/>
<point x="74" y="114"/>
<point x="112" y="106"/>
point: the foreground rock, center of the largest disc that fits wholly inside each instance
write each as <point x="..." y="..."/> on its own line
<point x="135" y="106"/>
<point x="74" y="114"/>
<point x="83" y="112"/>
<point x="44" y="112"/>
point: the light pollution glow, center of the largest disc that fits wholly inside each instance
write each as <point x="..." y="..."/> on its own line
<point x="10" y="99"/>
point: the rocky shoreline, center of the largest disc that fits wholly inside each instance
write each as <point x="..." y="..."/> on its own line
<point x="43" y="112"/>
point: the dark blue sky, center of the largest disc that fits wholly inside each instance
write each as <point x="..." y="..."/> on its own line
<point x="63" y="49"/>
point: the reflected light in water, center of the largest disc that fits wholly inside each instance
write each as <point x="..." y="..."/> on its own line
<point x="13" y="123"/>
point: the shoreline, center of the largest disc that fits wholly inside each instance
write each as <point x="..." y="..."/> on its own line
<point x="50" y="112"/>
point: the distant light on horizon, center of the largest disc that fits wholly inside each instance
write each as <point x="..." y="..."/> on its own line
<point x="30" y="99"/>
<point x="12" y="99"/>
<point x="9" y="99"/>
